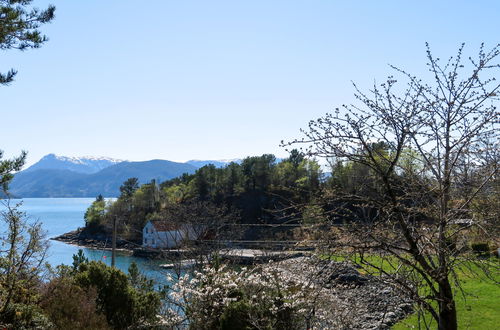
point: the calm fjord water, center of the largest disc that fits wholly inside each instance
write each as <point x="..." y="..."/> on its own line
<point x="61" y="215"/>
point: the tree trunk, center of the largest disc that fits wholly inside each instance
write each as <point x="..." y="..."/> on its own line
<point x="447" y="309"/>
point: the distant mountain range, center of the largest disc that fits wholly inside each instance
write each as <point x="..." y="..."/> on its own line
<point x="87" y="165"/>
<point x="60" y="176"/>
<point x="217" y="163"/>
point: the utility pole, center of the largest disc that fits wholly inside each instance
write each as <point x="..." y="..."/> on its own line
<point x="113" y="243"/>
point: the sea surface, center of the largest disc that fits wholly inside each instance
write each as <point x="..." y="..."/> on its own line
<point x="61" y="215"/>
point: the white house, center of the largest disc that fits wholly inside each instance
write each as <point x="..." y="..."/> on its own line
<point x="166" y="234"/>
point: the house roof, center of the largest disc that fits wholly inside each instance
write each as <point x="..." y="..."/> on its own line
<point x="163" y="225"/>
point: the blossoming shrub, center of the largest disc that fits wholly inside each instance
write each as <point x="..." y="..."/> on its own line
<point x="257" y="298"/>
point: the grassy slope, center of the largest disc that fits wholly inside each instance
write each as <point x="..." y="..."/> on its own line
<point x="479" y="310"/>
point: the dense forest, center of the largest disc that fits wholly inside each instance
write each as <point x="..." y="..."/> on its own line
<point x="263" y="199"/>
<point x="259" y="190"/>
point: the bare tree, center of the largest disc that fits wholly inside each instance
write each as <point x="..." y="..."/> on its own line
<point x="206" y="228"/>
<point x="426" y="153"/>
<point x="22" y="257"/>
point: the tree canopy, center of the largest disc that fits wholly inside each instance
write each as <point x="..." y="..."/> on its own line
<point x="252" y="189"/>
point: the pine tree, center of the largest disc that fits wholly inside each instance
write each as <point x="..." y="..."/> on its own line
<point x="19" y="23"/>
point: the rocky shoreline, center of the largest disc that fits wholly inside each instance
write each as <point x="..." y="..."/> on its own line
<point x="94" y="241"/>
<point x="357" y="301"/>
<point x="100" y="241"/>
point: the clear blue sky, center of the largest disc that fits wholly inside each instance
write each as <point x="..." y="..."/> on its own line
<point x="204" y="79"/>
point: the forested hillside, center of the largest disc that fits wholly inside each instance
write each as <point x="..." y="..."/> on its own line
<point x="259" y="190"/>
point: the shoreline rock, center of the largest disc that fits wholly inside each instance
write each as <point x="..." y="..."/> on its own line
<point x="362" y="302"/>
<point x="99" y="241"/>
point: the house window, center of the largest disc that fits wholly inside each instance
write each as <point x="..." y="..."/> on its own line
<point x="153" y="241"/>
<point x="145" y="241"/>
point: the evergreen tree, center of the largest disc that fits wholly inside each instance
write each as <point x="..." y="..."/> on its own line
<point x="129" y="187"/>
<point x="8" y="166"/>
<point x="19" y="25"/>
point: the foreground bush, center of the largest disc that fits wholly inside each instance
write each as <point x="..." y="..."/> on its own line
<point x="68" y="306"/>
<point x="258" y="298"/>
<point x="123" y="304"/>
<point x="21" y="316"/>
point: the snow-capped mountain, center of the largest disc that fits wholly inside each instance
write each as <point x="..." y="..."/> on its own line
<point x="63" y="182"/>
<point x="62" y="176"/>
<point x="217" y="163"/>
<point x="87" y="165"/>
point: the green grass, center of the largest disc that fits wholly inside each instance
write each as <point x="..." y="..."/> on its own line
<point x="480" y="309"/>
